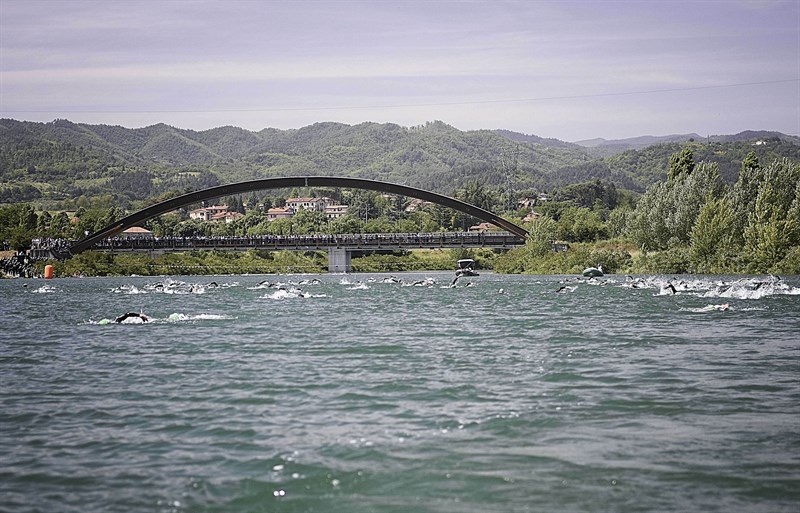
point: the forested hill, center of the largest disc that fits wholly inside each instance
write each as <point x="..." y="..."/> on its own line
<point x="56" y="160"/>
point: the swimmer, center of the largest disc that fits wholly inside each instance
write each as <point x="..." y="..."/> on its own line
<point x="131" y="318"/>
<point x="668" y="290"/>
<point x="711" y="308"/>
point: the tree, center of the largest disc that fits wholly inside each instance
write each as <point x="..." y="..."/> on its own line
<point x="681" y="164"/>
<point x="113" y="214"/>
<point x="689" y="193"/>
<point x="362" y="204"/>
<point x="18" y="225"/>
<point x="588" y="194"/>
<point x="233" y="203"/>
<point x="165" y="225"/>
<point x="346" y="224"/>
<point x="712" y="237"/>
<point x="390" y="206"/>
<point x="474" y="193"/>
<point x="28" y="218"/>
<point x="541" y="234"/>
<point x="59" y="225"/>
<point x="743" y="194"/>
<point x="134" y="184"/>
<point x="307" y="221"/>
<point x="773" y="226"/>
<point x="578" y="224"/>
<point x="647" y="225"/>
<point x="666" y="213"/>
<point x="43" y="222"/>
<point x="618" y="220"/>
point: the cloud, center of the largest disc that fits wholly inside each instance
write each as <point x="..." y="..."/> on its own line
<point x="415" y="61"/>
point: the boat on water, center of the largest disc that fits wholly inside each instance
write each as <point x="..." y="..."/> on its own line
<point x="466" y="268"/>
<point x="593" y="272"/>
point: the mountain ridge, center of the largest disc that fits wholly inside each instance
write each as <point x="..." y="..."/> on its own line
<point x="63" y="159"/>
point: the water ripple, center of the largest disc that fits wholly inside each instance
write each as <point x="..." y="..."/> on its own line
<point x="399" y="398"/>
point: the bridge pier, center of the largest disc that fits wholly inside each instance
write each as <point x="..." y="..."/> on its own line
<point x="339" y="260"/>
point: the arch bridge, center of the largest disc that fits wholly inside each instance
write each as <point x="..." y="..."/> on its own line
<point x="336" y="255"/>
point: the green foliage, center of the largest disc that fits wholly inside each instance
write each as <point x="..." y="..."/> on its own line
<point x="743" y="194"/>
<point x="542" y="233"/>
<point x="136" y="185"/>
<point x="687" y="218"/>
<point x="698" y="226"/>
<point x="773" y="227"/>
<point x="589" y="194"/>
<point x="19" y="193"/>
<point x="92" y="263"/>
<point x="574" y="261"/>
<point x="18" y="225"/>
<point x="53" y="163"/>
<point x="666" y="213"/>
<point x="580" y="225"/>
<point x="681" y="164"/>
<point x="618" y="220"/>
<point x="675" y="260"/>
<point x="712" y="237"/>
<point x="790" y="263"/>
<point x="398" y="261"/>
<point x="308" y="221"/>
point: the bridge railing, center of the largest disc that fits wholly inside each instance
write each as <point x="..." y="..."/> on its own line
<point x="322" y="242"/>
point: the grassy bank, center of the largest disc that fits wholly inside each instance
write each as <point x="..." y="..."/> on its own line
<point x="615" y="256"/>
<point x="92" y="263"/>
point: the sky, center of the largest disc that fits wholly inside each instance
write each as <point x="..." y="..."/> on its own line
<point x="571" y="70"/>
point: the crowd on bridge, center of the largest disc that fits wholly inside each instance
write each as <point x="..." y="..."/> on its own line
<point x="319" y="240"/>
<point x="55" y="246"/>
<point x="50" y="243"/>
<point x="19" y="265"/>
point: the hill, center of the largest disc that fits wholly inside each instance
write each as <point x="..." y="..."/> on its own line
<point x="600" y="147"/>
<point x="48" y="162"/>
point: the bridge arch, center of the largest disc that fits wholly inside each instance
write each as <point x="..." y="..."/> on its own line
<point x="289" y="182"/>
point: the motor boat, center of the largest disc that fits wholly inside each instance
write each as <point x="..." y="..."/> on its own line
<point x="593" y="272"/>
<point x="465" y="268"/>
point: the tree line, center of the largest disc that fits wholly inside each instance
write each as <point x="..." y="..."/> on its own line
<point x="693" y="221"/>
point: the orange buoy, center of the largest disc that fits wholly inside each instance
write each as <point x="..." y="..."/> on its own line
<point x="48" y="272"/>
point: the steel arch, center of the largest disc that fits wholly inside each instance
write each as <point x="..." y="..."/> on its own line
<point x="286" y="182"/>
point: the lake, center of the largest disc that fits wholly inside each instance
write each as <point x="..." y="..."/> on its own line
<point x="396" y="393"/>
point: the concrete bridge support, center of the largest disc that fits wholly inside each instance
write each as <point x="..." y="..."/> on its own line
<point x="339" y="260"/>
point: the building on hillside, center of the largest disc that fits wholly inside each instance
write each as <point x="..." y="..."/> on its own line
<point x="229" y="217"/>
<point x="208" y="213"/>
<point x="136" y="232"/>
<point x="417" y="204"/>
<point x="335" y="211"/>
<point x="532" y="216"/>
<point x="484" y="227"/>
<point x="280" y="213"/>
<point x="319" y="204"/>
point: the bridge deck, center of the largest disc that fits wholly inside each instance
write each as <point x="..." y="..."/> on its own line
<point x="367" y="242"/>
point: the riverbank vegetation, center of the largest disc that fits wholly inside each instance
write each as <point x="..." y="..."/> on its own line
<point x="94" y="263"/>
<point x="694" y="220"/>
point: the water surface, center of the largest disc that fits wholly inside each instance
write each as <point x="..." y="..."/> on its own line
<point x="354" y="394"/>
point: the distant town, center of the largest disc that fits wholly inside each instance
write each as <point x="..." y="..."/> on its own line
<point x="328" y="206"/>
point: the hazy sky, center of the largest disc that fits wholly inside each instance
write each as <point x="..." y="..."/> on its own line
<point x="570" y="69"/>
